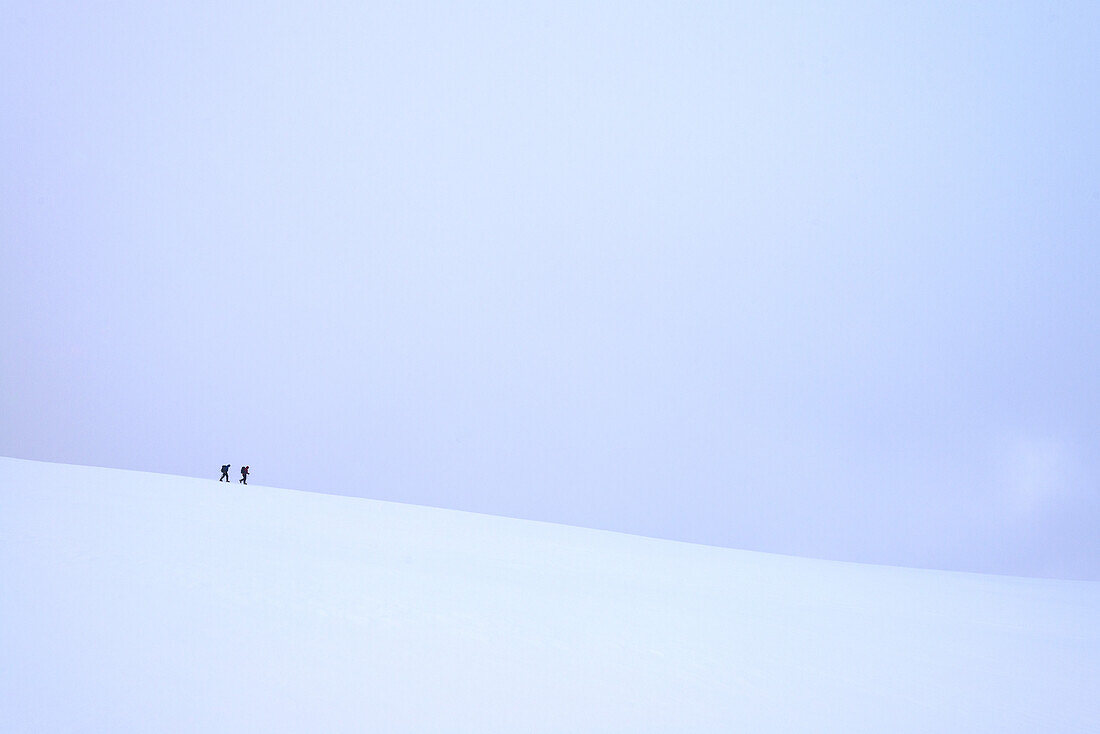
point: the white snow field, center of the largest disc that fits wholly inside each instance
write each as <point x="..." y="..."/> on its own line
<point x="135" y="602"/>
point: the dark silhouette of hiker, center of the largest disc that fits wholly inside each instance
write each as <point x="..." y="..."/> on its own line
<point x="225" y="472"/>
<point x="244" y="475"/>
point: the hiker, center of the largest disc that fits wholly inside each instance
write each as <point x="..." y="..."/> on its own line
<point x="244" y="475"/>
<point x="225" y="472"/>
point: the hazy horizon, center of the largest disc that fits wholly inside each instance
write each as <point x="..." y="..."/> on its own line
<point x="803" y="279"/>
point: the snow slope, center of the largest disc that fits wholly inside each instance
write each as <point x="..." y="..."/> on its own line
<point x="143" y="602"/>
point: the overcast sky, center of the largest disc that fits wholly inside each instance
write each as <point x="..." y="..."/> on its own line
<point x="810" y="278"/>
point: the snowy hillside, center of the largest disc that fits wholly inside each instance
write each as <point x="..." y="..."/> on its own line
<point x="143" y="602"/>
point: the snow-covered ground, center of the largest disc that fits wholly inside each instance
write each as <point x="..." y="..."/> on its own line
<point x="148" y="603"/>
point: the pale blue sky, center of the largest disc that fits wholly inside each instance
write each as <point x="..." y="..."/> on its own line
<point x="807" y="278"/>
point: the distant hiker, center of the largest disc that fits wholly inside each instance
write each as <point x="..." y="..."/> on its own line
<point x="225" y="472"/>
<point x="244" y="475"/>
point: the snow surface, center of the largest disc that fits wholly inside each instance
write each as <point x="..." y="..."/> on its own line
<point x="142" y="602"/>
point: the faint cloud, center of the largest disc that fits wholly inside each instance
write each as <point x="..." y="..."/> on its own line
<point x="1036" y="473"/>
